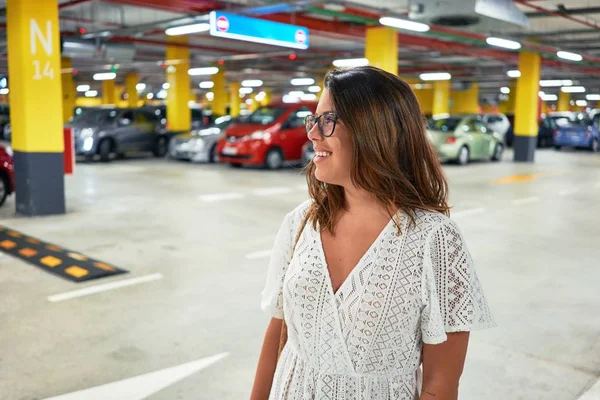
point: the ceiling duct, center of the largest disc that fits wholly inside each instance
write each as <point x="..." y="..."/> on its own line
<point x="475" y="15"/>
<point x="113" y="52"/>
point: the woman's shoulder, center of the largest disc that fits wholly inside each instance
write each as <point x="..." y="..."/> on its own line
<point x="295" y="217"/>
<point x="427" y="222"/>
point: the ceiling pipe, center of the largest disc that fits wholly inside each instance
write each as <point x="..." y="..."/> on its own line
<point x="72" y="3"/>
<point x="182" y="6"/>
<point x="527" y="3"/>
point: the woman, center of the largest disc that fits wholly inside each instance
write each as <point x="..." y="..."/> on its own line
<point x="379" y="280"/>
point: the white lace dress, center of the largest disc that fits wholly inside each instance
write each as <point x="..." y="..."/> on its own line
<point x="364" y="341"/>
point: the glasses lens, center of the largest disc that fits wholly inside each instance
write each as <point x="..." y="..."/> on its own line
<point x="327" y="125"/>
<point x="309" y="122"/>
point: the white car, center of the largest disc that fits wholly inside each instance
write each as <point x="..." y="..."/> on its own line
<point x="498" y="122"/>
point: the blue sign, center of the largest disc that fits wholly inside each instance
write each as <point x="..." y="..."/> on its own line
<point x="239" y="27"/>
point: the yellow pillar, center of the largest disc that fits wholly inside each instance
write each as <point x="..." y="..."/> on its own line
<point x="526" y="107"/>
<point x="131" y="80"/>
<point x="508" y="106"/>
<point x="219" y="104"/>
<point x="69" y="94"/>
<point x="179" y="116"/>
<point x="466" y="101"/>
<point x="34" y="67"/>
<point x="381" y="48"/>
<point x="564" y="100"/>
<point x="267" y="99"/>
<point x="234" y="99"/>
<point x="108" y="92"/>
<point x="441" y="97"/>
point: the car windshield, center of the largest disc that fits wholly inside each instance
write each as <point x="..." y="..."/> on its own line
<point x="94" y="116"/>
<point x="265" y="115"/>
<point x="444" y="124"/>
<point x="560" y="121"/>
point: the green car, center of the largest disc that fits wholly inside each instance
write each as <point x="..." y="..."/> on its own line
<point x="464" y="138"/>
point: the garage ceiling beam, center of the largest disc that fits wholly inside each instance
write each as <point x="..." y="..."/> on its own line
<point x="565" y="11"/>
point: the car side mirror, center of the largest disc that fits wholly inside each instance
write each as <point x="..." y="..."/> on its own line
<point x="124" y="122"/>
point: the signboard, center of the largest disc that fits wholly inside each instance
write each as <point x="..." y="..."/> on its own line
<point x="256" y="30"/>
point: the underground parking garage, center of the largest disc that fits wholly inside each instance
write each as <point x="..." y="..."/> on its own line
<point x="153" y="155"/>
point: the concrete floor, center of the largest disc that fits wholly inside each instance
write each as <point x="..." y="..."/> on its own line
<point x="536" y="244"/>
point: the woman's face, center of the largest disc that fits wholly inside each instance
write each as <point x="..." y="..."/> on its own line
<point x="333" y="155"/>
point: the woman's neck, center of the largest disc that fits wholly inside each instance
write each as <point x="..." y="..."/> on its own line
<point x="361" y="202"/>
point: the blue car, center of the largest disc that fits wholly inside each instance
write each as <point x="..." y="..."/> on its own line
<point x="580" y="132"/>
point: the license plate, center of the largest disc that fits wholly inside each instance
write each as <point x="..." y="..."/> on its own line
<point x="229" y="151"/>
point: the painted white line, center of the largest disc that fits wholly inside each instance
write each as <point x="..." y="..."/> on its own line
<point x="271" y="191"/>
<point x="258" y="254"/>
<point x="592" y="393"/>
<point x="211" y="198"/>
<point x="526" y="200"/>
<point x="472" y="211"/>
<point x="142" y="386"/>
<point x="103" y="288"/>
<point x="568" y="192"/>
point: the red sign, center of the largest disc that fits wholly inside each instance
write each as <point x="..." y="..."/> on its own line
<point x="222" y="24"/>
<point x="69" y="153"/>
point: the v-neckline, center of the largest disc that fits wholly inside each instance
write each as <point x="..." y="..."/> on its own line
<point x="357" y="265"/>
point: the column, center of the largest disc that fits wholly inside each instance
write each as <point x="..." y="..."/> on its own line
<point x="108" y="92"/>
<point x="69" y="94"/>
<point x="564" y="100"/>
<point x="508" y="106"/>
<point x="441" y="97"/>
<point x="526" y="107"/>
<point x="267" y="99"/>
<point x="219" y="104"/>
<point x="381" y="48"/>
<point x="179" y="116"/>
<point x="234" y="99"/>
<point x="34" y="66"/>
<point x="131" y="81"/>
<point x="466" y="101"/>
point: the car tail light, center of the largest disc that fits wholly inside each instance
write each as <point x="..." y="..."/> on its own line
<point x="451" y="140"/>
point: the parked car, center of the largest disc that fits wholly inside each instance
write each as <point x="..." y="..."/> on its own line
<point x="464" y="138"/>
<point x="498" y="122"/>
<point x="581" y="132"/>
<point x="271" y="136"/>
<point x="7" y="172"/>
<point x="548" y="124"/>
<point x="4" y="120"/>
<point x="199" y="145"/>
<point x="106" y="131"/>
<point x="198" y="116"/>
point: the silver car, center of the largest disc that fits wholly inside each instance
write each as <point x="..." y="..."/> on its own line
<point x="199" y="145"/>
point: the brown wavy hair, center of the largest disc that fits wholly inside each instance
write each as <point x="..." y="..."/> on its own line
<point x="392" y="156"/>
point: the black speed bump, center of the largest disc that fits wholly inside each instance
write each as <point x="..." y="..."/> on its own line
<point x="65" y="263"/>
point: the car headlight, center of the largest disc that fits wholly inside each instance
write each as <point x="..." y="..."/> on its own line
<point x="9" y="150"/>
<point x="87" y="132"/>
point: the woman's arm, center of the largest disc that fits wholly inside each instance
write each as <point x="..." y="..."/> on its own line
<point x="267" y="361"/>
<point x="442" y="366"/>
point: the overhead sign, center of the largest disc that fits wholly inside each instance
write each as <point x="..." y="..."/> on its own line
<point x="256" y="30"/>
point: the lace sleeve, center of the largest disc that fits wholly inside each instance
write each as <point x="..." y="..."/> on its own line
<point x="453" y="300"/>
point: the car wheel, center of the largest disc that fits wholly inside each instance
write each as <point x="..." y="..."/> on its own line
<point x="3" y="189"/>
<point x="463" y="156"/>
<point x="161" y="147"/>
<point x="104" y="150"/>
<point x="274" y="159"/>
<point x="236" y="165"/>
<point x="212" y="154"/>
<point x="594" y="146"/>
<point x="498" y="151"/>
<point x="557" y="147"/>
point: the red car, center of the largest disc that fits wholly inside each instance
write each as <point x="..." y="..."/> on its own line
<point x="271" y="137"/>
<point x="7" y="172"/>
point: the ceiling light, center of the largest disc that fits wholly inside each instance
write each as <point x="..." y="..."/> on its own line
<point x="556" y="83"/>
<point x="296" y="93"/>
<point x="302" y="81"/>
<point x="290" y="99"/>
<point x="91" y="93"/>
<point x="515" y="73"/>
<point x="351" y="62"/>
<point x="140" y="87"/>
<point x="161" y="94"/>
<point x="4" y="91"/>
<point x="150" y="96"/>
<point x="166" y="85"/>
<point x="549" y="97"/>
<point x="594" y="97"/>
<point x="83" y="88"/>
<point x="573" y="89"/>
<point x="314" y="89"/>
<point x="260" y="96"/>
<point x="104" y="76"/>
<point x="309" y="97"/>
<point x="581" y="103"/>
<point x="187" y="29"/>
<point x="249" y="101"/>
<point x="569" y="56"/>
<point x="504" y="43"/>
<point x="541" y="93"/>
<point x="210" y="96"/>
<point x="404" y="24"/>
<point x="246" y="90"/>
<point x="435" y="76"/>
<point x="505" y="90"/>
<point x="203" y="71"/>
<point x="207" y="85"/>
<point x="252" y="83"/>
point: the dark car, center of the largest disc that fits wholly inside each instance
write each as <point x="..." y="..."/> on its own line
<point x="548" y="125"/>
<point x="7" y="172"/>
<point x="200" y="119"/>
<point x="580" y="133"/>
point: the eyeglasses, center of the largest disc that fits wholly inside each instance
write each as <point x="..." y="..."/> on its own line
<point x="326" y="123"/>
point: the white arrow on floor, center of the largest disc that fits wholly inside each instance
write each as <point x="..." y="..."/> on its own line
<point x="142" y="386"/>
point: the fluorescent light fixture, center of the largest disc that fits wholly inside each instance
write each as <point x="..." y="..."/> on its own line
<point x="505" y="90"/>
<point x="83" y="88"/>
<point x="207" y="85"/>
<point x="187" y="29"/>
<point x="567" y="55"/>
<point x="290" y="99"/>
<point x="350" y="62"/>
<point x="309" y="97"/>
<point x="249" y="101"/>
<point x="91" y="93"/>
<point x="252" y="83"/>
<point x="515" y="73"/>
<point x="210" y="96"/>
<point x="556" y="83"/>
<point x="435" y="76"/>
<point x="166" y="85"/>
<point x="296" y="93"/>
<point x="581" y="103"/>
<point x="302" y="81"/>
<point x="593" y="97"/>
<point x="504" y="43"/>
<point x="140" y="87"/>
<point x="3" y="83"/>
<point x="161" y="94"/>
<point x="572" y="89"/>
<point x="314" y="89"/>
<point x="541" y="93"/>
<point x="4" y="91"/>
<point x="549" y="97"/>
<point x="105" y="76"/>
<point x="203" y="71"/>
<point x="260" y="96"/>
<point x="246" y="90"/>
<point x="404" y="24"/>
<point x="150" y="96"/>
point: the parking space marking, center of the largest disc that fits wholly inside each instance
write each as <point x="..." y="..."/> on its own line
<point x="211" y="198"/>
<point x="526" y="200"/>
<point x="103" y="288"/>
<point x="592" y="393"/>
<point x="568" y="192"/>
<point x="258" y="254"/>
<point x="472" y="211"/>
<point x="271" y="191"/>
